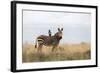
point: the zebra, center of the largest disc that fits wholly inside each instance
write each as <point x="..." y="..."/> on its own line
<point x="49" y="40"/>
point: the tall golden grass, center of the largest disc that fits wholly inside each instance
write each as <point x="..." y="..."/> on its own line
<point x="81" y="51"/>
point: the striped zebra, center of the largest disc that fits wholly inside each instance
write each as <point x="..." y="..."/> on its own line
<point x="49" y="40"/>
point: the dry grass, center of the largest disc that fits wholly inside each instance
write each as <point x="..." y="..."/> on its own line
<point x="80" y="51"/>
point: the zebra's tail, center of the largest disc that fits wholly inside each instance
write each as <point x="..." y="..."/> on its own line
<point x="36" y="44"/>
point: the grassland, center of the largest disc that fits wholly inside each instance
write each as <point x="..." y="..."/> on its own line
<point x="81" y="51"/>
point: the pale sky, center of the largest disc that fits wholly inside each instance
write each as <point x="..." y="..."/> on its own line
<point x="76" y="26"/>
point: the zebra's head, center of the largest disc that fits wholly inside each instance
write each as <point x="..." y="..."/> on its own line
<point x="59" y="33"/>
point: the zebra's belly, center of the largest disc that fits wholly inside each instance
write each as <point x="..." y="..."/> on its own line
<point x="51" y="43"/>
<point x="47" y="43"/>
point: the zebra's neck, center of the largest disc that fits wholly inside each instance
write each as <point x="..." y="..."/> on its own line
<point x="57" y="38"/>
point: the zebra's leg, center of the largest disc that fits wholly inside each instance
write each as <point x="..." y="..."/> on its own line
<point x="53" y="48"/>
<point x="40" y="48"/>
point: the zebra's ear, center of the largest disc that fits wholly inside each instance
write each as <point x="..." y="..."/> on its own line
<point x="49" y="31"/>
<point x="61" y="29"/>
<point x="58" y="29"/>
